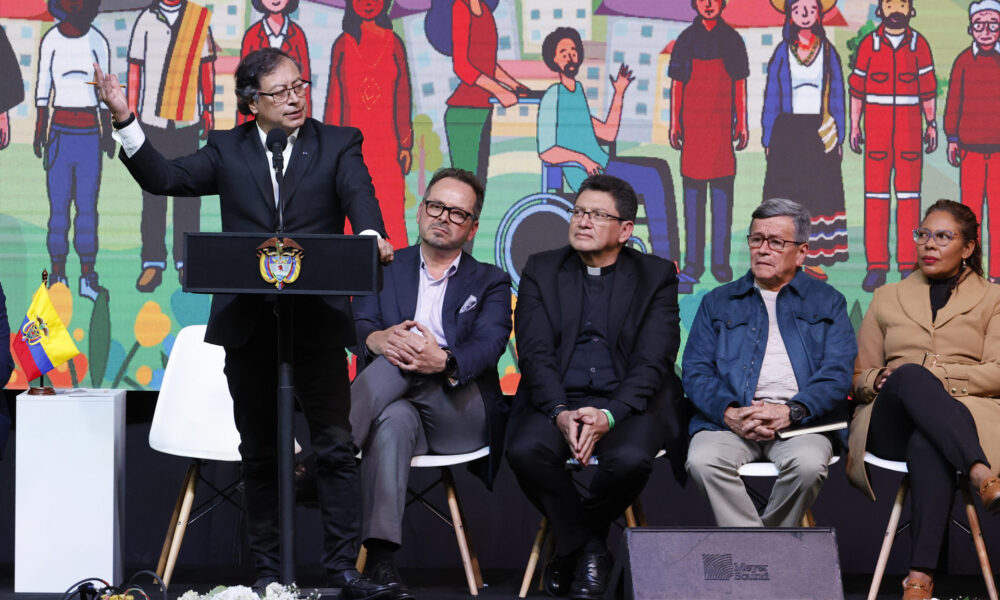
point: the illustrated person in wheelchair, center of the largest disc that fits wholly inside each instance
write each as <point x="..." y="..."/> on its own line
<point x="772" y="350"/>
<point x="568" y="136"/>
<point x="597" y="330"/>
<point x="431" y="340"/>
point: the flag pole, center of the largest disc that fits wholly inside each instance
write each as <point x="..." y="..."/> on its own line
<point x="44" y="390"/>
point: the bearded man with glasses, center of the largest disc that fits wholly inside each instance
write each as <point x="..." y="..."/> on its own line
<point x="597" y="328"/>
<point x="770" y="351"/>
<point x="429" y="343"/>
<point x="325" y="181"/>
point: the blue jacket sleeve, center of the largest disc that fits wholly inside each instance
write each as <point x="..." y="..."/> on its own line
<point x="493" y="325"/>
<point x="367" y="320"/>
<point x="191" y="175"/>
<point x="829" y="385"/>
<point x="703" y="383"/>
<point x="772" y="92"/>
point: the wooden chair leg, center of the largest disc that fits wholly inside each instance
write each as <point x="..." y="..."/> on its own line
<point x="536" y="551"/>
<point x="640" y="514"/>
<point x="460" y="535"/>
<point x="171" y="527"/>
<point x="808" y="520"/>
<point x="977" y="539"/>
<point x="362" y="559"/>
<point x="468" y="541"/>
<point x="890" y="535"/>
<point x="180" y="525"/>
<point x="630" y="519"/>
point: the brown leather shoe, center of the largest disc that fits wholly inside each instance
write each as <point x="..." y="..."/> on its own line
<point x="149" y="279"/>
<point x="989" y="493"/>
<point x="915" y="590"/>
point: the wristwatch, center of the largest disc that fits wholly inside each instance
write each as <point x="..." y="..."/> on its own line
<point x="796" y="412"/>
<point x="932" y="123"/>
<point x="450" y="367"/>
<point x="557" y="411"/>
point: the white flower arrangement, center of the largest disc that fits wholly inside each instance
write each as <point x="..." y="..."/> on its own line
<point x="274" y="591"/>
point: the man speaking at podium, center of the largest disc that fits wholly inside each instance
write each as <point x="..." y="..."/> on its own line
<point x="326" y="180"/>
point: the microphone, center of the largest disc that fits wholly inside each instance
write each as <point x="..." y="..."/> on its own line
<point x="276" y="141"/>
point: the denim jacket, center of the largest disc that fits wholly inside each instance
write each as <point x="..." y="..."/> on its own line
<point x="726" y="343"/>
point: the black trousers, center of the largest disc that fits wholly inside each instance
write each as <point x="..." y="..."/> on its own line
<point x="537" y="452"/>
<point x="916" y="420"/>
<point x="322" y="390"/>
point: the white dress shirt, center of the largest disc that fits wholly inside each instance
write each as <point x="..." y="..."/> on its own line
<point x="430" y="299"/>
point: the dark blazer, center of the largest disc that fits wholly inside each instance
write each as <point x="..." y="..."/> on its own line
<point x="476" y="321"/>
<point x="643" y="331"/>
<point x="326" y="180"/>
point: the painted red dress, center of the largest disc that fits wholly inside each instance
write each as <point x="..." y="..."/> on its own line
<point x="370" y="89"/>
<point x="294" y="44"/>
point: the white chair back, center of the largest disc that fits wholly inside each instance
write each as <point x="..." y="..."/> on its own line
<point x="194" y="412"/>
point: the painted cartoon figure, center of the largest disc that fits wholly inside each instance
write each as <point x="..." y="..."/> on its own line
<point x="567" y="133"/>
<point x="277" y="30"/>
<point x="804" y="126"/>
<point x="708" y="112"/>
<point x="971" y="125"/>
<point x="370" y="89"/>
<point x="71" y="137"/>
<point x="171" y="61"/>
<point x="472" y="45"/>
<point x="12" y="92"/>
<point x="892" y="85"/>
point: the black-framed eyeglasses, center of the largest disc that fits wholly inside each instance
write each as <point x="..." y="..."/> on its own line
<point x="981" y="25"/>
<point x="281" y="96"/>
<point x="455" y="215"/>
<point x="597" y="216"/>
<point x="774" y="243"/>
<point x="942" y="237"/>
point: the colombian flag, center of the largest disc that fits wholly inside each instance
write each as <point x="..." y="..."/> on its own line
<point x="42" y="343"/>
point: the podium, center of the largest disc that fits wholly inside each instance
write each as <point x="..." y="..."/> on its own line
<point x="314" y="265"/>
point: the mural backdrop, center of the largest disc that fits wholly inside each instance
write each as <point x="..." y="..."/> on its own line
<point x="864" y="112"/>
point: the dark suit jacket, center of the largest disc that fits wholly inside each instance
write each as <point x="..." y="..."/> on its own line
<point x="477" y="336"/>
<point x="643" y="332"/>
<point x="326" y="180"/>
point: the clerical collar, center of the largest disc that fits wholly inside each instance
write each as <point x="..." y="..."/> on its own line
<point x="599" y="271"/>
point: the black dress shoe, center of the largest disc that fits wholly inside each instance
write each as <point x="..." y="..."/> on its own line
<point x="385" y="573"/>
<point x="558" y="575"/>
<point x="355" y="586"/>
<point x="591" y="576"/>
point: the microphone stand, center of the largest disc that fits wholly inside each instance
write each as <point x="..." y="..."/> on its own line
<point x="286" y="409"/>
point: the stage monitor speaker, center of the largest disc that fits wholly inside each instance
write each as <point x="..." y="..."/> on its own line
<point x="714" y="563"/>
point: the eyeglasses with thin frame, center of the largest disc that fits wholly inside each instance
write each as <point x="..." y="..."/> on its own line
<point x="981" y="25"/>
<point x="942" y="237"/>
<point x="455" y="215"/>
<point x="774" y="243"/>
<point x="596" y="216"/>
<point x="281" y="96"/>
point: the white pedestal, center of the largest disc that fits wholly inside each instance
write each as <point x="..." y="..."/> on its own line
<point x="70" y="489"/>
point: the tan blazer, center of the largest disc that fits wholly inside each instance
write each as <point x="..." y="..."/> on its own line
<point x="966" y="337"/>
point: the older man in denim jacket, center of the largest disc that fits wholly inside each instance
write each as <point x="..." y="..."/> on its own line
<point x="770" y="351"/>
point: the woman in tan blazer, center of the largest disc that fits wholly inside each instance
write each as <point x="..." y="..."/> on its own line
<point x="927" y="378"/>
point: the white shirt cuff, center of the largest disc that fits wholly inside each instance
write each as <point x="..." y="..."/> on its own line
<point x="371" y="232"/>
<point x="131" y="137"/>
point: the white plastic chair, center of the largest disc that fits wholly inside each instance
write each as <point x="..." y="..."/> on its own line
<point x="470" y="562"/>
<point x="769" y="469"/>
<point x="194" y="419"/>
<point x="892" y="528"/>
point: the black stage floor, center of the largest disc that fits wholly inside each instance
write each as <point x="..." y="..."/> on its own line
<point x="449" y="584"/>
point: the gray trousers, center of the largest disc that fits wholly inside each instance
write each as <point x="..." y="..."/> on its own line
<point x="714" y="459"/>
<point x="396" y="416"/>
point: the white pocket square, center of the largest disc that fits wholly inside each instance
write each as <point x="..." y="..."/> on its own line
<point x="470" y="303"/>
